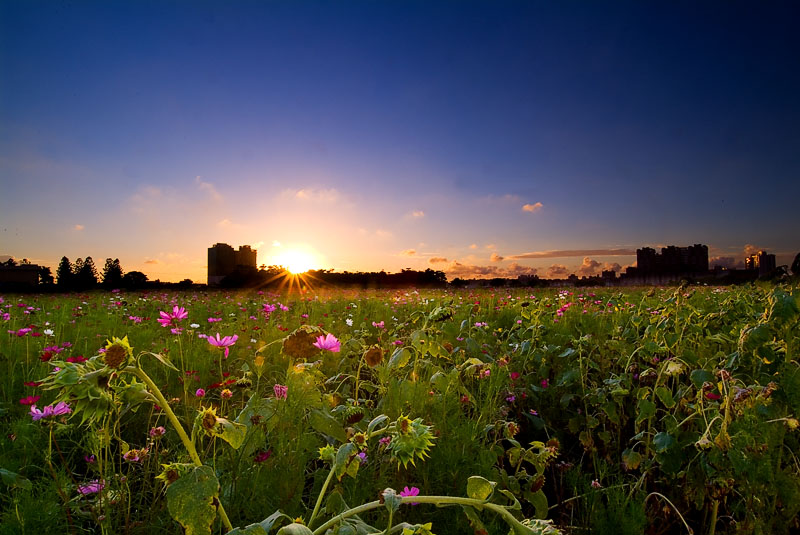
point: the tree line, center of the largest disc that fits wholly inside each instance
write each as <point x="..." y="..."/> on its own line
<point x="83" y="275"/>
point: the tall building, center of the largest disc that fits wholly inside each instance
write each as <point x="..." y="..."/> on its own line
<point x="762" y="262"/>
<point x="223" y="260"/>
<point x="672" y="260"/>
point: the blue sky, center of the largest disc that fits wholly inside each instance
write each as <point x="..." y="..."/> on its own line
<point x="383" y="135"/>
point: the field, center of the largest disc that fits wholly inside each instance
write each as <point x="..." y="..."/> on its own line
<point x="663" y="410"/>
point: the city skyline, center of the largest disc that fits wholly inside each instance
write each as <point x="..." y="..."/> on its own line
<point x="488" y="139"/>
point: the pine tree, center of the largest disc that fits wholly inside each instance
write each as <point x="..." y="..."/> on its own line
<point x="112" y="273"/>
<point x="64" y="273"/>
<point x="87" y="274"/>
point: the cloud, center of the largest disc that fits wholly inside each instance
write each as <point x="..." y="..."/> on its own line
<point x="491" y="246"/>
<point x="750" y="249"/>
<point x="208" y="188"/>
<point x="229" y="225"/>
<point x="532" y="207"/>
<point x="557" y="271"/>
<point x="508" y="198"/>
<point x="589" y="267"/>
<point x="575" y="252"/>
<point x="327" y="196"/>
<point x="468" y="271"/>
<point x="276" y="243"/>
<point x="380" y="233"/>
<point x="417" y="214"/>
<point x="409" y="252"/>
<point x="152" y="261"/>
<point x="495" y="258"/>
<point x="437" y="260"/>
<point x="78" y="227"/>
<point x="473" y="245"/>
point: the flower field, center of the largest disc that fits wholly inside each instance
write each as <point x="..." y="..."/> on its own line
<point x="668" y="410"/>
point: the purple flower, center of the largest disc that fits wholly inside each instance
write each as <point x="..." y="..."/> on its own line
<point x="92" y="487"/>
<point x="281" y="391"/>
<point x="50" y="411"/>
<point x="157" y="431"/>
<point x="200" y="393"/>
<point x="225" y="341"/>
<point x="329" y="342"/>
<point x="413" y="491"/>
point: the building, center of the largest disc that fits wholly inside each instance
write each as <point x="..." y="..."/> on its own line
<point x="23" y="275"/>
<point x="762" y="262"/>
<point x="224" y="260"/>
<point x="672" y="260"/>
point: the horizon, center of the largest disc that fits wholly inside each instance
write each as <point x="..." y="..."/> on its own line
<point x="482" y="139"/>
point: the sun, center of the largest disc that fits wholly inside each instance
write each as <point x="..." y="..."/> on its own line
<point x="296" y="261"/>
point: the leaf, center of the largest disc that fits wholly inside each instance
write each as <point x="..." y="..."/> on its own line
<point x="479" y="488"/>
<point x="631" y="459"/>
<point x="378" y="420"/>
<point x="399" y="358"/>
<point x="295" y="529"/>
<point x="391" y="500"/>
<point x="645" y="409"/>
<point x="474" y="520"/>
<point x="539" y="502"/>
<point x="567" y="353"/>
<point x="665" y="395"/>
<point x="231" y="432"/>
<point x="163" y="360"/>
<point x="610" y="408"/>
<point x="674" y="367"/>
<point x="343" y="456"/>
<point x="326" y="424"/>
<point x="12" y="479"/>
<point x="783" y="307"/>
<point x="662" y="442"/>
<point x="699" y="377"/>
<point x="191" y="498"/>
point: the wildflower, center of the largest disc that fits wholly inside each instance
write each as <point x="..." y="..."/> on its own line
<point x="77" y="359"/>
<point x="194" y="325"/>
<point x="514" y="376"/>
<point x="545" y="383"/>
<point x="90" y="459"/>
<point x="226" y="394"/>
<point x="329" y="342"/>
<point x="226" y="342"/>
<point x="200" y="393"/>
<point x="157" y="431"/>
<point x="712" y="396"/>
<point x="511" y="398"/>
<point x="281" y="391"/>
<point x="117" y="352"/>
<point x="413" y="491"/>
<point x="374" y="356"/>
<point x="92" y="487"/>
<point x="349" y="322"/>
<point x="33" y="383"/>
<point x="465" y="399"/>
<point x="50" y="411"/>
<point x="134" y="456"/>
<point x="385" y="441"/>
<point x="176" y="330"/>
<point x="262" y="456"/>
<point x="213" y="320"/>
<point x="48" y="332"/>
<point x="362" y="457"/>
<point x="29" y="400"/>
<point x="378" y="325"/>
<point x="596" y="484"/>
<point x="135" y="319"/>
<point x="397" y="343"/>
<point x="177" y="314"/>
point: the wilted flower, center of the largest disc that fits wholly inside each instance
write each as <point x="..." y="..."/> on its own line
<point x="117" y="352"/>
<point x="226" y="394"/>
<point x="225" y="341"/>
<point x="157" y="431"/>
<point x="328" y="342"/>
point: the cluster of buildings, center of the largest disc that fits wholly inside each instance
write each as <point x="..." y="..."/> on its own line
<point x="224" y="260"/>
<point x="762" y="262"/>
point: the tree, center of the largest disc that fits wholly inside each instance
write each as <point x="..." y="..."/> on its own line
<point x="10" y="262"/>
<point x="86" y="276"/>
<point x="64" y="273"/>
<point x="45" y="276"/>
<point x="134" y="279"/>
<point x="796" y="266"/>
<point x="112" y="273"/>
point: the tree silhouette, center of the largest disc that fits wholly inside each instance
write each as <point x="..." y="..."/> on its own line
<point x="86" y="276"/>
<point x="64" y="273"/>
<point x="45" y="276"/>
<point x="796" y="266"/>
<point x="134" y="279"/>
<point x="112" y="273"/>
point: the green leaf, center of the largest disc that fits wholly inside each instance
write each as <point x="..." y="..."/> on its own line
<point x="631" y="459"/>
<point x="783" y="307"/>
<point x="191" y="498"/>
<point x="479" y="488"/>
<point x="567" y="353"/>
<point x="539" y="502"/>
<point x="12" y="479"/>
<point x="343" y="456"/>
<point x="699" y="377"/>
<point x="230" y="432"/>
<point x="326" y="424"/>
<point x="378" y="420"/>
<point x="665" y="395"/>
<point x="645" y="409"/>
<point x="391" y="500"/>
<point x="399" y="358"/>
<point x="295" y="529"/>
<point x="610" y="408"/>
<point x="163" y="360"/>
<point x="662" y="442"/>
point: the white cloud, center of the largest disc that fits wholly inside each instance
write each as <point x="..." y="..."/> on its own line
<point x="417" y="214"/>
<point x="328" y="196"/>
<point x="208" y="188"/>
<point x="78" y="227"/>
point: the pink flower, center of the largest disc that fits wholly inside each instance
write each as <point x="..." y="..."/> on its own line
<point x="545" y="383"/>
<point x="379" y="325"/>
<point x="200" y="393"/>
<point x="29" y="400"/>
<point x="50" y="411"/>
<point x="157" y="431"/>
<point x="596" y="484"/>
<point x="328" y="342"/>
<point x="177" y="314"/>
<point x="413" y="491"/>
<point x="226" y="342"/>
<point x="92" y="487"/>
<point x="514" y="376"/>
<point x="712" y="396"/>
<point x="262" y="456"/>
<point x="214" y="320"/>
<point x="281" y="391"/>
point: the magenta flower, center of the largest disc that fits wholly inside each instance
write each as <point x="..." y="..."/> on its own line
<point x="50" y="411"/>
<point x="158" y="431"/>
<point x="378" y="325"/>
<point x="281" y="391"/>
<point x="29" y="400"/>
<point x="413" y="491"/>
<point x="545" y="383"/>
<point x="226" y="342"/>
<point x="200" y="393"/>
<point x="329" y="342"/>
<point x="262" y="456"/>
<point x="177" y="314"/>
<point x="92" y="488"/>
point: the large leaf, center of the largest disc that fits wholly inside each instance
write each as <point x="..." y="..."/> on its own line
<point x="645" y="409"/>
<point x="539" y="501"/>
<point x="479" y="488"/>
<point x="231" y="432"/>
<point x="295" y="529"/>
<point x="191" y="498"/>
<point x="399" y="358"/>
<point x="326" y="424"/>
<point x="12" y="479"/>
<point x="662" y="442"/>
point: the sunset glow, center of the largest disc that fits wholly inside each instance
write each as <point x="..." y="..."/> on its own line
<point x="296" y="261"/>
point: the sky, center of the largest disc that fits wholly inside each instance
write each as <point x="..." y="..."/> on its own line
<point x="482" y="139"/>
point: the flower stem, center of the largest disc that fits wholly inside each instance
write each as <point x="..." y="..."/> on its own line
<point x="319" y="498"/>
<point x="187" y="443"/>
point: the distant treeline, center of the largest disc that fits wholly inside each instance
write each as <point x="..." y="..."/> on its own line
<point x="80" y="275"/>
<point x="278" y="276"/>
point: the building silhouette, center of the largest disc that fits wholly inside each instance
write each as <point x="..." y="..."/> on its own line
<point x="672" y="260"/>
<point x="224" y="260"/>
<point x="762" y="262"/>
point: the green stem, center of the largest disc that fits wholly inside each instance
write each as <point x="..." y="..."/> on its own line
<point x="187" y="443"/>
<point x="389" y="524"/>
<point x="438" y="500"/>
<point x="712" y="527"/>
<point x="319" y="498"/>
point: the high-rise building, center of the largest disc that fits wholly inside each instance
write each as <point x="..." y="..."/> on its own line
<point x="762" y="262"/>
<point x="223" y="260"/>
<point x="672" y="260"/>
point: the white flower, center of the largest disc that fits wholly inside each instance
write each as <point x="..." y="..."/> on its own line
<point x="349" y="322"/>
<point x="48" y="332"/>
<point x="194" y="325"/>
